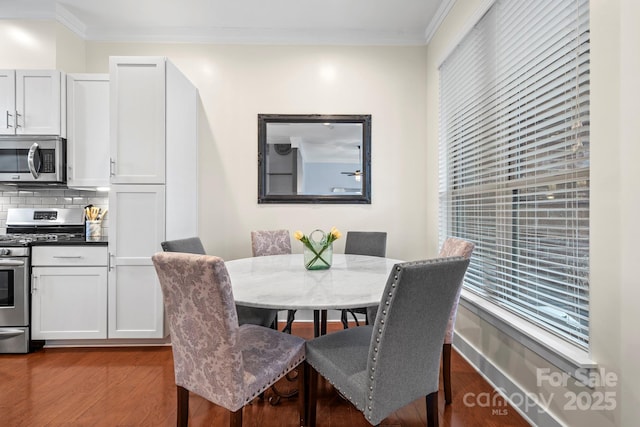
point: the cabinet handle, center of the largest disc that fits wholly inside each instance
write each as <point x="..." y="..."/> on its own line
<point x="109" y="263"/>
<point x="10" y="333"/>
<point x="8" y="115"/>
<point x="34" y="288"/>
<point x="112" y="167"/>
<point x="68" y="256"/>
<point x="16" y="120"/>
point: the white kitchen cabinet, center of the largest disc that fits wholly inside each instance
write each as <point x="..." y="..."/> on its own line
<point x="137" y="130"/>
<point x="88" y="147"/>
<point x="154" y="191"/>
<point x="69" y="292"/>
<point x="137" y="225"/>
<point x="32" y="102"/>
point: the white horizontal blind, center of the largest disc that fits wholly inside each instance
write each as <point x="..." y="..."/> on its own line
<point x="514" y="159"/>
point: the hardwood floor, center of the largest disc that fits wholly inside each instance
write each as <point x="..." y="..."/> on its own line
<point x="135" y="387"/>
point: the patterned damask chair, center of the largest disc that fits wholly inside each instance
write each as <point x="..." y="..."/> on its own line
<point x="372" y="243"/>
<point x="251" y="315"/>
<point x="380" y="368"/>
<point x="273" y="242"/>
<point x="452" y="247"/>
<point x="270" y="242"/>
<point x="213" y="355"/>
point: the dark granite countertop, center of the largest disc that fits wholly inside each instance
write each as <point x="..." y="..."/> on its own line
<point x="103" y="241"/>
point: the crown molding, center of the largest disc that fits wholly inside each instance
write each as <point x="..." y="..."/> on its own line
<point x="69" y="20"/>
<point x="52" y="10"/>
<point x="438" y="17"/>
<point x="260" y="36"/>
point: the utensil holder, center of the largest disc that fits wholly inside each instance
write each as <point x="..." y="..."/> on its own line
<point x="93" y="230"/>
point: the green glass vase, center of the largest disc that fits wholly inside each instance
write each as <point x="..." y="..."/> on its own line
<point x="318" y="253"/>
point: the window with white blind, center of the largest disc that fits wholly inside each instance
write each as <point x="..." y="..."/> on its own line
<point x="514" y="159"/>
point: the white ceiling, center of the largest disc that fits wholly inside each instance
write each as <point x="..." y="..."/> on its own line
<point x="377" y="22"/>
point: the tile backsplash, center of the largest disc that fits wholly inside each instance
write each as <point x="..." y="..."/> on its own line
<point x="54" y="198"/>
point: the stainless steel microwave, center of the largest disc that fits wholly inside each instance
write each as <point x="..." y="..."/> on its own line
<point x="33" y="160"/>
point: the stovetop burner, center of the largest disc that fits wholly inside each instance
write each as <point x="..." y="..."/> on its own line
<point x="28" y="225"/>
<point x="38" y="237"/>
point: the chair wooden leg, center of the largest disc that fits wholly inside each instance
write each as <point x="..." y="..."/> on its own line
<point x="303" y="395"/>
<point x="183" y="407"/>
<point x="313" y="391"/>
<point x="235" y="418"/>
<point x="446" y="372"/>
<point x="432" y="409"/>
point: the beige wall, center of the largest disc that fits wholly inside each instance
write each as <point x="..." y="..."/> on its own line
<point x="40" y="45"/>
<point x="27" y="44"/>
<point x="70" y="50"/>
<point x="614" y="283"/>
<point x="627" y="223"/>
<point x="236" y="83"/>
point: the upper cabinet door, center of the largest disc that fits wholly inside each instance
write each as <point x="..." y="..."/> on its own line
<point x="88" y="130"/>
<point x="7" y="102"/>
<point x="137" y="125"/>
<point x="39" y="103"/>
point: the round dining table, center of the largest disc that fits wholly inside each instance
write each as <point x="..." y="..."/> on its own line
<point x="282" y="282"/>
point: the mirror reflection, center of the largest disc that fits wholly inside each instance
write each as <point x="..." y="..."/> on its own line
<point x="314" y="158"/>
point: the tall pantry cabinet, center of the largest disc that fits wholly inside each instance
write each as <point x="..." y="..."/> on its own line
<point x="153" y="196"/>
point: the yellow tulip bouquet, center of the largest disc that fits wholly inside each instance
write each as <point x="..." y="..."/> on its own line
<point x="318" y="253"/>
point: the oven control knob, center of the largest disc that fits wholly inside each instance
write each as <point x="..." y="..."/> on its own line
<point x="5" y="251"/>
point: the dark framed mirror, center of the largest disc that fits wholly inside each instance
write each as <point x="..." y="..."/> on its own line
<point x="314" y="158"/>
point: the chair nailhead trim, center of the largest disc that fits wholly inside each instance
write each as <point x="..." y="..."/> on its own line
<point x="377" y="338"/>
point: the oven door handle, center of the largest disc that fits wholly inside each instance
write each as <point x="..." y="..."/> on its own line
<point x="31" y="162"/>
<point x="10" y="333"/>
<point x="11" y="263"/>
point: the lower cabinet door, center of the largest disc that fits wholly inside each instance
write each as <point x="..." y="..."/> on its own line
<point x="69" y="303"/>
<point x="136" y="224"/>
<point x="135" y="302"/>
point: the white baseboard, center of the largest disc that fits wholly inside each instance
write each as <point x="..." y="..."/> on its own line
<point x="533" y="413"/>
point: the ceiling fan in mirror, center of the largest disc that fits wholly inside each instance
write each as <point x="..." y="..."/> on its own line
<point x="357" y="174"/>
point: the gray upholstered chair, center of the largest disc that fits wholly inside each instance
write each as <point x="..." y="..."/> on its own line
<point x="373" y="243"/>
<point x="246" y="315"/>
<point x="213" y="355"/>
<point x="273" y="242"/>
<point x="452" y="247"/>
<point x="382" y="367"/>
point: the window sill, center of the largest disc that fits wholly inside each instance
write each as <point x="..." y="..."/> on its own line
<point x="555" y="350"/>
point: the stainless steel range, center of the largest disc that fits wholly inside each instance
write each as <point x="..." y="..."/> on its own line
<point x="24" y="227"/>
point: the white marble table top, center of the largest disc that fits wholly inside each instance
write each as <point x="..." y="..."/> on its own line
<point x="282" y="282"/>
